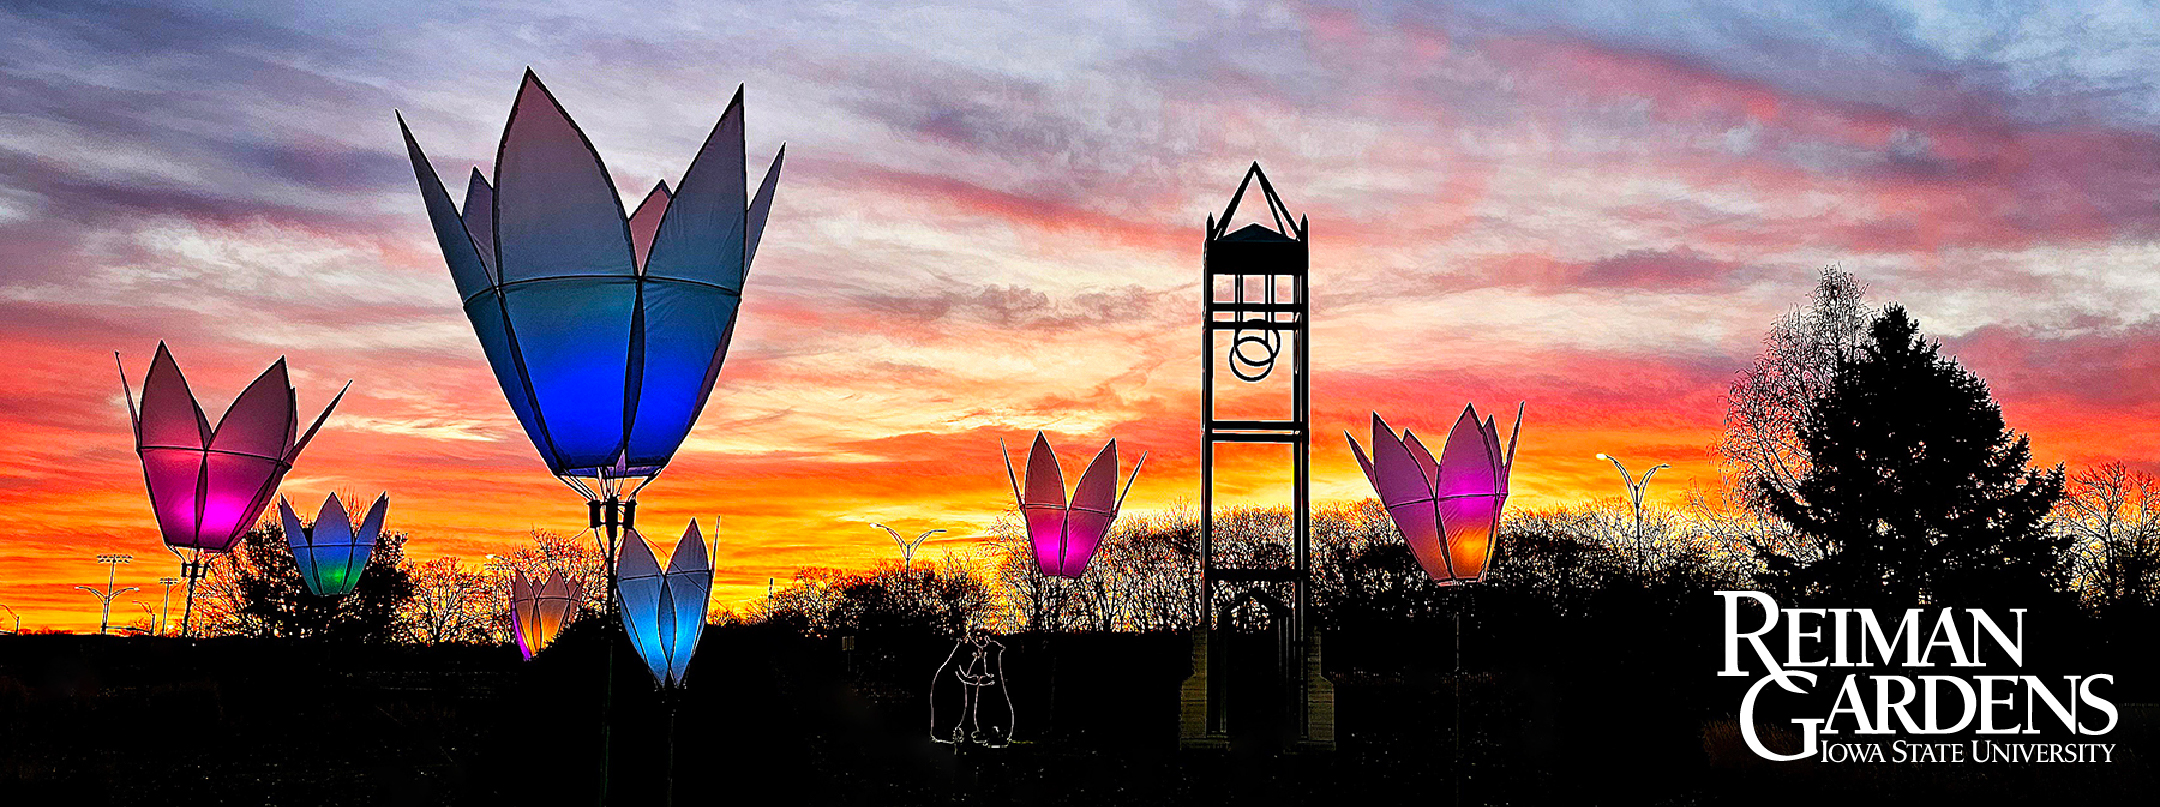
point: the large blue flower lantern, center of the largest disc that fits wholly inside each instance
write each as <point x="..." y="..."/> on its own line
<point x="606" y="329"/>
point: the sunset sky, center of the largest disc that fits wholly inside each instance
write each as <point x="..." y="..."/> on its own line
<point x="990" y="223"/>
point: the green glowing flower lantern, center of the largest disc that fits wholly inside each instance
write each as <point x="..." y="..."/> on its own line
<point x="332" y="552"/>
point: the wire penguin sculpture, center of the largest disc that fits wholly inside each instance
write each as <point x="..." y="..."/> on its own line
<point x="969" y="701"/>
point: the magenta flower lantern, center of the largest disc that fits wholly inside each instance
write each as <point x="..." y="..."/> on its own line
<point x="539" y="610"/>
<point x="1066" y="534"/>
<point x="1449" y="508"/>
<point x="209" y="485"/>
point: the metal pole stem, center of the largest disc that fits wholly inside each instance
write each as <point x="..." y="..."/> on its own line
<point x="672" y="708"/>
<point x="1458" y="704"/>
<point x="609" y="521"/>
<point x="105" y="614"/>
<point x="1638" y="516"/>
<point x="193" y="570"/>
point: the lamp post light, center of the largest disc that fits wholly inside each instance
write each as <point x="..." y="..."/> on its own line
<point x="907" y="547"/>
<point x="1635" y="488"/>
<point x="18" y="620"/>
<point x="166" y="617"/>
<point x="112" y="566"/>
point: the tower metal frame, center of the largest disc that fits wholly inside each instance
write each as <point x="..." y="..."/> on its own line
<point x="1258" y="328"/>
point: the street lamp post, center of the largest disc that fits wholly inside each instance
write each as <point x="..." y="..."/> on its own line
<point x="166" y="617"/>
<point x="907" y="547"/>
<point x="112" y="566"/>
<point x="1635" y="488"/>
<point x="18" y="619"/>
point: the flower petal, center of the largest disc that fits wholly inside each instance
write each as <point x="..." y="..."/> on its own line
<point x="638" y="585"/>
<point x="237" y="488"/>
<point x="689" y="585"/>
<point x="1398" y="478"/>
<point x="646" y="221"/>
<point x="1094" y="507"/>
<point x="1407" y="495"/>
<point x="701" y="237"/>
<point x="479" y="216"/>
<point x="1507" y="465"/>
<point x="1467" y="465"/>
<point x="685" y="338"/>
<point x="260" y="423"/>
<point x="294" y="533"/>
<point x="302" y="443"/>
<point x="522" y="624"/>
<point x="556" y="210"/>
<point x="1469" y="495"/>
<point x="760" y="209"/>
<point x="1042" y="506"/>
<point x="1045" y="480"/>
<point x="1426" y="464"/>
<point x="573" y="344"/>
<point x="1364" y="463"/>
<point x="332" y="524"/>
<point x="371" y="526"/>
<point x="467" y="270"/>
<point x="170" y="415"/>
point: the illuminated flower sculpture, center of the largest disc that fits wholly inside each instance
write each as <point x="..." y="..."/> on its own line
<point x="1447" y="508"/>
<point x="1064" y="534"/>
<point x="332" y="553"/>
<point x="208" y="485"/>
<point x="664" y="610"/>
<point x="606" y="330"/>
<point x="539" y="612"/>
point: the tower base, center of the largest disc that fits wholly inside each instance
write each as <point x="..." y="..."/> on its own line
<point x="1207" y="719"/>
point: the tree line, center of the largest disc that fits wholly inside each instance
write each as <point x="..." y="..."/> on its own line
<point x="1858" y="466"/>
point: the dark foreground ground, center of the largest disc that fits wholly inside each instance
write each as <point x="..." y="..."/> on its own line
<point x="771" y="717"/>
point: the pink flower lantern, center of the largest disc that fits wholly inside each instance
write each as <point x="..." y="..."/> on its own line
<point x="1449" y="508"/>
<point x="209" y="485"/>
<point x="1066" y="534"/>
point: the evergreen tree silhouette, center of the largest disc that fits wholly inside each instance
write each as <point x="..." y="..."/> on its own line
<point x="1917" y="491"/>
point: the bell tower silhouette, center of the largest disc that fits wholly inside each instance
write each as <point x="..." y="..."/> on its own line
<point x="1256" y="656"/>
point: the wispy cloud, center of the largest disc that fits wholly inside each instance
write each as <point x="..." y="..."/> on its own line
<point x="990" y="225"/>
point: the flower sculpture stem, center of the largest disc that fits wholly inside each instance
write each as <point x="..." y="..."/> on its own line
<point x="607" y="711"/>
<point x="609" y="518"/>
<point x="1447" y="507"/>
<point x="673" y="706"/>
<point x="191" y="568"/>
